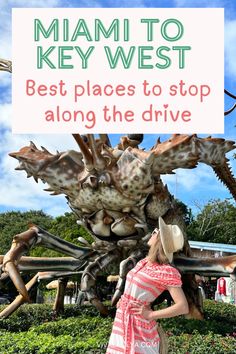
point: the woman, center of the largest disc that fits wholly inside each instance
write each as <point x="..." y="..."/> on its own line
<point x="134" y="328"/>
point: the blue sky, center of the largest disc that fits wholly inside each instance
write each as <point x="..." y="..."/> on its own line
<point x="194" y="187"/>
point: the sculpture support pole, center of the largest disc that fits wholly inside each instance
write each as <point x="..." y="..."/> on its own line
<point x="61" y="290"/>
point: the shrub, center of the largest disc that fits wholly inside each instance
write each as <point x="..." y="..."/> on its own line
<point x="26" y="316"/>
<point x="214" y="315"/>
<point x="179" y="325"/>
<point x="199" y="344"/>
<point x="76" y="327"/>
<point x="83" y="330"/>
<point x="219" y="311"/>
<point x="34" y="314"/>
<point x="32" y="343"/>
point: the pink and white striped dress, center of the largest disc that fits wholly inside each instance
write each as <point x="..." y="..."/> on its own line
<point x="133" y="334"/>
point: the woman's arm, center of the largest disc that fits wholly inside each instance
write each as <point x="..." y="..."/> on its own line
<point x="180" y="306"/>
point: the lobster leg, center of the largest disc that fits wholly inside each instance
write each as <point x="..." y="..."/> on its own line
<point x="59" y="301"/>
<point x="19" y="300"/>
<point x="125" y="266"/>
<point x="88" y="279"/>
<point x="36" y="236"/>
<point x="63" y="277"/>
<point x="207" y="266"/>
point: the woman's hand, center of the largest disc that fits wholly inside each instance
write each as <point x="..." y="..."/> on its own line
<point x="142" y="310"/>
<point x="118" y="303"/>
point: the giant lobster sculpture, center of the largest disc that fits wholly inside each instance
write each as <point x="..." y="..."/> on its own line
<point x="117" y="195"/>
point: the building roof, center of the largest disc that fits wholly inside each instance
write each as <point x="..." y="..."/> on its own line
<point x="209" y="246"/>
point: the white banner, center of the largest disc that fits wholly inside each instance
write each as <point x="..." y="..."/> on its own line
<point x="118" y="70"/>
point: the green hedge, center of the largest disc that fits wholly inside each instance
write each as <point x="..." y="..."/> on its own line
<point x="75" y="327"/>
<point x="33" y="315"/>
<point x="219" y="311"/>
<point x="220" y="318"/>
<point x="201" y="344"/>
<point x="33" y="329"/>
<point x="33" y="343"/>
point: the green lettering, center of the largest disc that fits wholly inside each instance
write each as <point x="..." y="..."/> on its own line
<point x="84" y="56"/>
<point x="38" y="28"/>
<point x="180" y="28"/>
<point x="150" y="22"/>
<point x="164" y="57"/>
<point x="62" y="57"/>
<point x="65" y="30"/>
<point x="181" y="50"/>
<point x="113" y="60"/>
<point x="81" y="30"/>
<point x="99" y="28"/>
<point x="142" y="57"/>
<point x="126" y="29"/>
<point x="43" y="57"/>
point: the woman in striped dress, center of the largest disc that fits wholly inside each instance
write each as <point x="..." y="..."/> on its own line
<point x="134" y="329"/>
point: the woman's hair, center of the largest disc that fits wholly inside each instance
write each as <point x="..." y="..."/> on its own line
<point x="156" y="253"/>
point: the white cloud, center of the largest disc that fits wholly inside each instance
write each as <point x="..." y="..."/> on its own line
<point x="5" y="82"/>
<point x="30" y="3"/>
<point x="199" y="3"/>
<point x="5" y="115"/>
<point x="16" y="191"/>
<point x="230" y="29"/>
<point x="197" y="186"/>
<point x="230" y="48"/>
<point x="5" y="23"/>
<point x="82" y="3"/>
<point x="202" y="176"/>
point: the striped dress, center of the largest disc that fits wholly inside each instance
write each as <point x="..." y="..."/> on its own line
<point x="133" y="334"/>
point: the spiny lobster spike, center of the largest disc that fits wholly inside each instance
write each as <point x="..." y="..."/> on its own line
<point x="156" y="144"/>
<point x="36" y="179"/>
<point x="149" y="159"/>
<point x="28" y="175"/>
<point x="19" y="168"/>
<point x="45" y="150"/>
<point x="33" y="145"/>
<point x="83" y="241"/>
<point x="99" y="163"/>
<point x="87" y="156"/>
<point x="48" y="190"/>
<point x="55" y="193"/>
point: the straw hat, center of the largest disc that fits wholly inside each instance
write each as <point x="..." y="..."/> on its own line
<point x="172" y="238"/>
